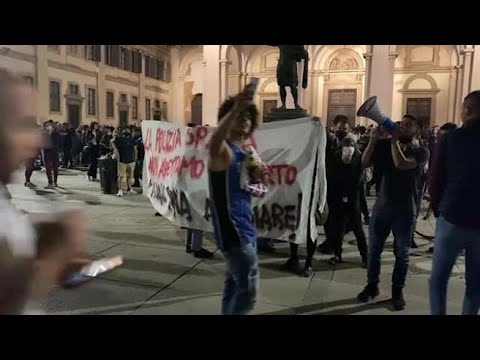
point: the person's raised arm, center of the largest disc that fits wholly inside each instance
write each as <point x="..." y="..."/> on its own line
<point x="399" y="159"/>
<point x="220" y="155"/>
<point x="368" y="153"/>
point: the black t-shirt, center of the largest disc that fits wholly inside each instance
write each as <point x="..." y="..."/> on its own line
<point x="55" y="143"/>
<point x="399" y="188"/>
<point x="126" y="149"/>
<point x="105" y="144"/>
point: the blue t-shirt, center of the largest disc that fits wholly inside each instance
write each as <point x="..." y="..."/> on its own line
<point x="231" y="205"/>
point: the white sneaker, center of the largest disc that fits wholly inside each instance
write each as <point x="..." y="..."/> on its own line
<point x="120" y="193"/>
<point x="133" y="192"/>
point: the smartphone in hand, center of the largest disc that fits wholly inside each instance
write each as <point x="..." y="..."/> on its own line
<point x="251" y="87"/>
<point x="91" y="271"/>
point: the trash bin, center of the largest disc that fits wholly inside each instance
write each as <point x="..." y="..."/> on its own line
<point x="108" y="175"/>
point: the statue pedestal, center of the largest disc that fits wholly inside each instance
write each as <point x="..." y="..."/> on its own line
<point x="279" y="114"/>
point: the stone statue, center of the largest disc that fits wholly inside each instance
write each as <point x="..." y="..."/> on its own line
<point x="287" y="71"/>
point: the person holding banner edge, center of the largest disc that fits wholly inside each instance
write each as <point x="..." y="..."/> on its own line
<point x="194" y="239"/>
<point x="231" y="205"/>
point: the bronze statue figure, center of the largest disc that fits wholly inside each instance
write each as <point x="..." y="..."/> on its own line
<point x="287" y="71"/>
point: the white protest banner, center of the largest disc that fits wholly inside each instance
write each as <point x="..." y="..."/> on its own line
<point x="176" y="175"/>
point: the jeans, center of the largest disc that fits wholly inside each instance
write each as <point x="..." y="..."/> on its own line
<point x="194" y="239"/>
<point x="449" y="241"/>
<point x="401" y="223"/>
<point x="242" y="280"/>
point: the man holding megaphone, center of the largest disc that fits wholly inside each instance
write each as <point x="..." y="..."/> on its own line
<point x="401" y="159"/>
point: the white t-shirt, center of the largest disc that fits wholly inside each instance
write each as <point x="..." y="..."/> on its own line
<point x="18" y="231"/>
<point x="16" y="228"/>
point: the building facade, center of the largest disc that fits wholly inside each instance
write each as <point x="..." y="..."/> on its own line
<point x="110" y="84"/>
<point x="120" y="84"/>
<point x="429" y="81"/>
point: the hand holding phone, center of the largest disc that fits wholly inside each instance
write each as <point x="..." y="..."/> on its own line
<point x="245" y="98"/>
<point x="92" y="270"/>
<point x="251" y="88"/>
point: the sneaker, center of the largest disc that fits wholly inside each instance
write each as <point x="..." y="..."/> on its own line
<point x="132" y="192"/>
<point x="370" y="292"/>
<point x="55" y="185"/>
<point x="30" y="185"/>
<point x="50" y="186"/>
<point x="158" y="214"/>
<point x="120" y="193"/>
<point x="203" y="254"/>
<point x="398" y="300"/>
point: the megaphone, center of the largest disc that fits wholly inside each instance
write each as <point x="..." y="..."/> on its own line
<point x="371" y="110"/>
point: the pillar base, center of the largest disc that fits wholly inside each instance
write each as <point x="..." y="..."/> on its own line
<point x="279" y="114"/>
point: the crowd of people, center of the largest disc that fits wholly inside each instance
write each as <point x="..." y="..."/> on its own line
<point x="72" y="148"/>
<point x="400" y="161"/>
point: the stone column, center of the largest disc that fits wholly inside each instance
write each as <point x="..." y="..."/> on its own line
<point x="367" y="79"/>
<point x="315" y="94"/>
<point x="176" y="90"/>
<point x="475" y="77"/>
<point x="458" y="95"/>
<point x="211" y="88"/>
<point x="223" y="79"/>
<point x="242" y="80"/>
<point x="141" y="92"/>
<point x="42" y="81"/>
<point x="368" y="74"/>
<point x="101" y="92"/>
<point x="467" y="53"/>
<point x="380" y="83"/>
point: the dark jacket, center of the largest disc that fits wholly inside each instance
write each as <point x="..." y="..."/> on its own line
<point x="344" y="181"/>
<point x="454" y="180"/>
<point x="68" y="139"/>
